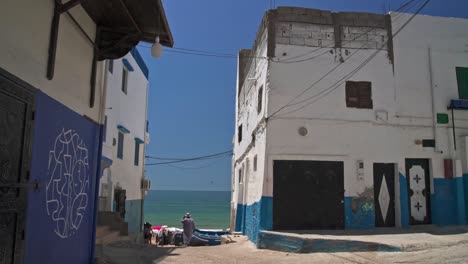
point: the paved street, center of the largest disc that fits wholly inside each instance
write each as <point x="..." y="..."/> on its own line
<point x="243" y="251"/>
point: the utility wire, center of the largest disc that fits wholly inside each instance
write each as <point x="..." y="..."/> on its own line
<point x="179" y="161"/>
<point x="197" y="157"/>
<point x="218" y="159"/>
<point x="337" y="84"/>
<point x="169" y="161"/>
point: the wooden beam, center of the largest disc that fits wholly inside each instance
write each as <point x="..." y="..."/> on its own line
<point x="53" y="44"/>
<point x="69" y="5"/>
<point x="127" y="12"/>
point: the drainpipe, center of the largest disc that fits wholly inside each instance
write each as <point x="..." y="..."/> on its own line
<point x="143" y="163"/>
<point x="434" y="113"/>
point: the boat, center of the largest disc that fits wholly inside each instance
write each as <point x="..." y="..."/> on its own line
<point x="204" y="240"/>
<point x="211" y="232"/>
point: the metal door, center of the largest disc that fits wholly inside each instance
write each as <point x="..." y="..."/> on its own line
<point x="308" y="195"/>
<point x="15" y="138"/>
<point x="384" y="194"/>
<point x="419" y="191"/>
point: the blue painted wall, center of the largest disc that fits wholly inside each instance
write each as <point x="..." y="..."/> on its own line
<point x="404" y="206"/>
<point x="448" y="202"/>
<point x="60" y="215"/>
<point x="252" y="218"/>
<point x="359" y="213"/>
<point x="133" y="215"/>
<point x="465" y="190"/>
<point x="239" y="217"/>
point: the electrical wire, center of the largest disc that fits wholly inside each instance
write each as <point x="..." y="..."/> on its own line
<point x="199" y="167"/>
<point x="205" y="53"/>
<point x="206" y="157"/>
<point x="197" y="157"/>
<point x="342" y="80"/>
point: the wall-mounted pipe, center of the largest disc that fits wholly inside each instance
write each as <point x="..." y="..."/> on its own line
<point x="433" y="102"/>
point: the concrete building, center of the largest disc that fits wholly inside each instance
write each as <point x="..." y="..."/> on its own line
<point x="123" y="183"/>
<point x="342" y="126"/>
<point x="52" y="98"/>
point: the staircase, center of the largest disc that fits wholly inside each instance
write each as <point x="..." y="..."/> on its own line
<point x="110" y="228"/>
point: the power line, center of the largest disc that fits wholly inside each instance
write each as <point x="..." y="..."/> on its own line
<point x="206" y="157"/>
<point x="205" y="53"/>
<point x="179" y="161"/>
<point x="337" y="84"/>
<point x="198" y="167"/>
<point x="197" y="157"/>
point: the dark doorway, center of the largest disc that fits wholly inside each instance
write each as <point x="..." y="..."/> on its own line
<point x="16" y="103"/>
<point x="419" y="191"/>
<point x="120" y="197"/>
<point x="308" y="195"/>
<point x="384" y="194"/>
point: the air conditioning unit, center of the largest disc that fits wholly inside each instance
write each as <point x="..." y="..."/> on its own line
<point x="145" y="184"/>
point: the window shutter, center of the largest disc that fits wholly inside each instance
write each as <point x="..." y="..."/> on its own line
<point x="365" y="95"/>
<point x="462" y="81"/>
<point x="352" y="95"/>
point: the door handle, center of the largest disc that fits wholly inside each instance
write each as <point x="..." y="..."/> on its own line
<point x="17" y="185"/>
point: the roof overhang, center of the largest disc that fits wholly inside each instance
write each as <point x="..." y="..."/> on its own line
<point x="122" y="24"/>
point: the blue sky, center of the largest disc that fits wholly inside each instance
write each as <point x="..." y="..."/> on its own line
<point x="192" y="98"/>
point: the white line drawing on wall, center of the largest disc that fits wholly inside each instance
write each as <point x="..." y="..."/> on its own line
<point x="68" y="184"/>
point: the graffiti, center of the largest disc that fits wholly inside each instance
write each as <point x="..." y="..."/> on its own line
<point x="68" y="184"/>
<point x="362" y="207"/>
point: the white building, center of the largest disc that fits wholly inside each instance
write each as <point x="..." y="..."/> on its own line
<point x="52" y="100"/>
<point x="339" y="125"/>
<point x="123" y="184"/>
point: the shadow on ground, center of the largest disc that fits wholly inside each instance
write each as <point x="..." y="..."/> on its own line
<point x="428" y="229"/>
<point x="132" y="253"/>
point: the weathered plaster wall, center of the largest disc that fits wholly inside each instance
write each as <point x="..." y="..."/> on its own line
<point x="25" y="27"/>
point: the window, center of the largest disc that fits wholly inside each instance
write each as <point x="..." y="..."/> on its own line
<point x="120" y="145"/>
<point x="462" y="81"/>
<point x="137" y="153"/>
<point x="260" y="98"/>
<point x="255" y="163"/>
<point x="124" y="80"/>
<point x="359" y="94"/>
<point x="239" y="134"/>
<point x="240" y="175"/>
<point x="104" y="132"/>
<point x="111" y="66"/>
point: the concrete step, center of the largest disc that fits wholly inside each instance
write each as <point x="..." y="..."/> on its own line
<point x="110" y="237"/>
<point x="102" y="231"/>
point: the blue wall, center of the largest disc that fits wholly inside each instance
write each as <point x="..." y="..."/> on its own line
<point x="252" y="218"/>
<point x="465" y="189"/>
<point x="60" y="215"/>
<point x="133" y="215"/>
<point x="359" y="213"/>
<point x="404" y="202"/>
<point x="448" y="202"/>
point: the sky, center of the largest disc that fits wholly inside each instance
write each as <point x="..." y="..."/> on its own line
<point x="191" y="109"/>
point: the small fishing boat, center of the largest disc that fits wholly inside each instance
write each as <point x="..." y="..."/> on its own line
<point x="211" y="232"/>
<point x="204" y="240"/>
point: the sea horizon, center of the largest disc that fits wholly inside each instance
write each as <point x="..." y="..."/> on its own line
<point x="210" y="209"/>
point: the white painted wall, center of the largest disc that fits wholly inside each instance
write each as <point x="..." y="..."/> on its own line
<point x="128" y="110"/>
<point x="25" y="27"/>
<point x="251" y="188"/>
<point x="402" y="91"/>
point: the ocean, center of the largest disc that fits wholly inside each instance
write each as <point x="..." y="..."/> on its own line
<point x="209" y="209"/>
